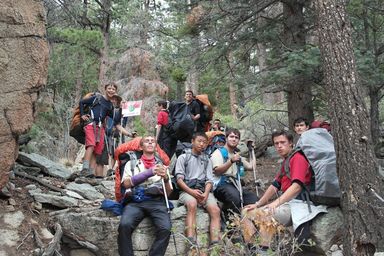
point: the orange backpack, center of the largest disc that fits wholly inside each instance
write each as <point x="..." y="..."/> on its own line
<point x="122" y="156"/>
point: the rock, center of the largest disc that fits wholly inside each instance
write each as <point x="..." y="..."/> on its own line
<point x="9" y="208"/>
<point x="85" y="190"/>
<point x="326" y="229"/>
<point x="379" y="254"/>
<point x="81" y="252"/>
<point x="12" y="201"/>
<point x="100" y="228"/>
<point x="23" y="50"/>
<point x="47" y="166"/>
<point x="9" y="237"/>
<point x="31" y="187"/>
<point x="73" y="194"/>
<point x="37" y="206"/>
<point x="59" y="201"/>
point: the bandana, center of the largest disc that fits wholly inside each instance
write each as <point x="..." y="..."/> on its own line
<point x="148" y="162"/>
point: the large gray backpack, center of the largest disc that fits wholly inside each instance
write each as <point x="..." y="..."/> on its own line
<point x="318" y="148"/>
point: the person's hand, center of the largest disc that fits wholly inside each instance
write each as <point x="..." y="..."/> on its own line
<point x="250" y="207"/>
<point x="85" y="117"/>
<point x="196" y="193"/>
<point x="161" y="171"/>
<point x="235" y="158"/>
<point x="203" y="201"/>
<point x="271" y="207"/>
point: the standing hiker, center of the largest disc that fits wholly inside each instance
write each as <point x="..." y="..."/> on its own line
<point x="162" y="121"/>
<point x="145" y="198"/>
<point x="228" y="167"/>
<point x="195" y="180"/>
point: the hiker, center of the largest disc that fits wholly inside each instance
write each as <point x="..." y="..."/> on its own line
<point x="145" y="199"/>
<point x="195" y="179"/>
<point x="94" y="128"/>
<point x="182" y="123"/>
<point x="193" y="109"/>
<point x="228" y="166"/>
<point x="162" y="121"/>
<point x="217" y="125"/>
<point x="292" y="206"/>
<point x="300" y="125"/>
<point x="111" y="138"/>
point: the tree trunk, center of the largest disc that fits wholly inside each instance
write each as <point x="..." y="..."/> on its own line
<point x="232" y="86"/>
<point x="299" y="95"/>
<point x="356" y="165"/>
<point x="105" y="27"/>
<point x="374" y="98"/>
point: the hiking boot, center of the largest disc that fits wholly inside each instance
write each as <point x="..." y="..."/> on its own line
<point x="87" y="173"/>
<point x="110" y="172"/>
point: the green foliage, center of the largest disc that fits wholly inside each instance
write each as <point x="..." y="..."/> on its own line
<point x="91" y="39"/>
<point x="178" y="75"/>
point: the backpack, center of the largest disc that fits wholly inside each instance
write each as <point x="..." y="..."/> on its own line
<point x="76" y="129"/>
<point x="318" y="148"/>
<point x="206" y="111"/>
<point x="215" y="139"/>
<point x="180" y="124"/>
<point x="126" y="152"/>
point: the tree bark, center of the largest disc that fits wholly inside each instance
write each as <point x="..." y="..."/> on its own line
<point x="374" y="98"/>
<point x="232" y="86"/>
<point x="105" y="12"/>
<point x="299" y="95"/>
<point x="356" y="165"/>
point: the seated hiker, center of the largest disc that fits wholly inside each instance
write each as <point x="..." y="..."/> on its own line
<point x="195" y="180"/>
<point x="146" y="198"/>
<point x="217" y="125"/>
<point x="300" y="125"/>
<point x="228" y="166"/>
<point x="162" y="121"/>
<point x="292" y="206"/>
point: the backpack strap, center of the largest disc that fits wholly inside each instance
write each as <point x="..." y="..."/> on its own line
<point x="224" y="153"/>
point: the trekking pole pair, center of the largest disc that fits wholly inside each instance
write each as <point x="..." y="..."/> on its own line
<point x="169" y="211"/>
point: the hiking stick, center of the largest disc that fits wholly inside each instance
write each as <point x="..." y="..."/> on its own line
<point x="253" y="160"/>
<point x="169" y="213"/>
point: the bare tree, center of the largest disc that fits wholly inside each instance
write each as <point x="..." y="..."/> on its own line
<point x="361" y="203"/>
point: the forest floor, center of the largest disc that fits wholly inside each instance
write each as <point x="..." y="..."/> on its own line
<point x="36" y="218"/>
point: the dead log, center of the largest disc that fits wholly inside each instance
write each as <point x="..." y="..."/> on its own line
<point x="54" y="245"/>
<point x="23" y="174"/>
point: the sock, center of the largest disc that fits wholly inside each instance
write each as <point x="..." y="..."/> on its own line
<point x="85" y="164"/>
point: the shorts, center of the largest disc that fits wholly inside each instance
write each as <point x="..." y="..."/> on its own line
<point x="90" y="138"/>
<point x="185" y="197"/>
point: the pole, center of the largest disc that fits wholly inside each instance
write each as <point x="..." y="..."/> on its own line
<point x="169" y="213"/>
<point x="253" y="160"/>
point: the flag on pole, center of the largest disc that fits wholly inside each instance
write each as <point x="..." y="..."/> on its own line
<point x="132" y="108"/>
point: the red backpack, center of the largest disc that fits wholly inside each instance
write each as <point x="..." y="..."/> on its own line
<point x="123" y="154"/>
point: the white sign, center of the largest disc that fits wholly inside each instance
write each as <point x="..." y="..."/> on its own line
<point x="132" y="108"/>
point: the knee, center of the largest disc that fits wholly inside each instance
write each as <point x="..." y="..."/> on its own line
<point x="126" y="226"/>
<point x="214" y="211"/>
<point x="191" y="206"/>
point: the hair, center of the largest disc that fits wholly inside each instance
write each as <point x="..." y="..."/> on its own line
<point x="110" y="84"/>
<point x="284" y="133"/>
<point x="189" y="91"/>
<point x="301" y="119"/>
<point x="199" y="134"/>
<point x="217" y="120"/>
<point x="162" y="103"/>
<point x="145" y="136"/>
<point x="232" y="130"/>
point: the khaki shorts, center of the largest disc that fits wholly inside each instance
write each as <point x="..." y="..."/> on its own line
<point x="185" y="197"/>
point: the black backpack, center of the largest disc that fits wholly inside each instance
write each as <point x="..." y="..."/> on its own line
<point x="180" y="123"/>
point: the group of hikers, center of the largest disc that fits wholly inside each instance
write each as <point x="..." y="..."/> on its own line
<point x="208" y="180"/>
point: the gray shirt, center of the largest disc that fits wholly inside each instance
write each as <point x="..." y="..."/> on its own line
<point x="194" y="168"/>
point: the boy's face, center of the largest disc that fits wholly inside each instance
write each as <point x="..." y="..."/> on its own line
<point x="199" y="144"/>
<point x="148" y="144"/>
<point x="233" y="140"/>
<point x="300" y="127"/>
<point x="110" y="90"/>
<point x="282" y="145"/>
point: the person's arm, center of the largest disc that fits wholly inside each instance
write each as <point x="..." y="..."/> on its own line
<point x="195" y="113"/>
<point x="287" y="196"/>
<point x="207" y="190"/>
<point x="271" y="191"/>
<point x="221" y="169"/>
<point x="123" y="130"/>
<point x="196" y="193"/>
<point x="85" y="102"/>
<point x="247" y="165"/>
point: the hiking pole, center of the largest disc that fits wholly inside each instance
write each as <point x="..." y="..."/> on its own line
<point x="253" y="160"/>
<point x="169" y="213"/>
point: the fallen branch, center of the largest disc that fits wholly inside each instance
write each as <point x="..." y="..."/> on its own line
<point x="24" y="238"/>
<point x="37" y="239"/>
<point x="83" y="243"/>
<point x="23" y="174"/>
<point x="54" y="245"/>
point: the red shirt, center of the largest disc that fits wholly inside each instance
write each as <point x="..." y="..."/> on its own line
<point x="162" y="117"/>
<point x="299" y="170"/>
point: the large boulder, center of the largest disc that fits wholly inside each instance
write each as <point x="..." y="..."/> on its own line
<point x="23" y="50"/>
<point x="96" y="230"/>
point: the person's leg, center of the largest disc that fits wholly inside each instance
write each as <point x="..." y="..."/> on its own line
<point x="98" y="151"/>
<point x="90" y="143"/>
<point x="131" y="217"/>
<point x="214" y="214"/>
<point x="249" y="197"/>
<point x="230" y="196"/>
<point x="157" y="210"/>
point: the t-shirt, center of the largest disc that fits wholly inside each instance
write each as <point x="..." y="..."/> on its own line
<point x="99" y="111"/>
<point x="299" y="171"/>
<point x="139" y="167"/>
<point x="162" y="117"/>
<point x="195" y="167"/>
<point x="193" y="108"/>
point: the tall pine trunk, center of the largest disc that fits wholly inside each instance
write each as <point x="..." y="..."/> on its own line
<point x="299" y="95"/>
<point x="357" y="171"/>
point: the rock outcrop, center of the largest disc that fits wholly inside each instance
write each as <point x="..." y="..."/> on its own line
<point x="23" y="71"/>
